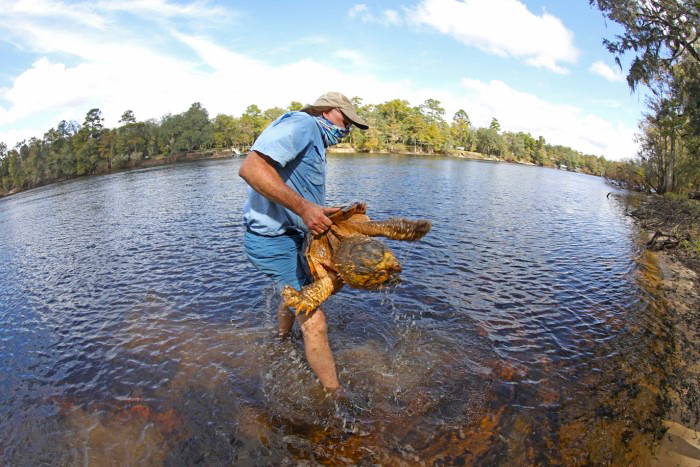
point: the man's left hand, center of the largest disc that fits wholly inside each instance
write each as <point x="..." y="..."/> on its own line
<point x="316" y="219"/>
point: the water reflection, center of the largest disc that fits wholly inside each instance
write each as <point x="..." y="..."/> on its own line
<point x="136" y="332"/>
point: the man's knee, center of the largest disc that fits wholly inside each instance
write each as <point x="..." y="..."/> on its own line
<point x="283" y="309"/>
<point x="313" y="323"/>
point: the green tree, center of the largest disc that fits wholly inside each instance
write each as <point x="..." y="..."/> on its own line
<point x="515" y="146"/>
<point x="252" y="124"/>
<point x="226" y="131"/>
<point x="461" y="131"/>
<point x="657" y="32"/>
<point x="106" y="150"/>
<point x="357" y="137"/>
<point x="127" y="117"/>
<point x="539" y="155"/>
<point x="495" y="125"/>
<point x="14" y="172"/>
<point x="188" y="131"/>
<point x="272" y="114"/>
<point x="433" y="111"/>
<point x="488" y="141"/>
<point x="85" y="143"/>
<point x="392" y="117"/>
<point x="129" y="143"/>
<point x="93" y="123"/>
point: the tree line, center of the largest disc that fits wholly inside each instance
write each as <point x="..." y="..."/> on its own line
<point x="396" y="126"/>
<point x="663" y="38"/>
<point x="72" y="149"/>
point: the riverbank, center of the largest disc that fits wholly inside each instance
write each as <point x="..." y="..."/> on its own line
<point x="671" y="228"/>
<point x="460" y="154"/>
<point x="159" y="160"/>
<point x="163" y="159"/>
<point x="681" y="442"/>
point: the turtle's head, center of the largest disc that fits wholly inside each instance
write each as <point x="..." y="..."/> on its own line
<point x="366" y="263"/>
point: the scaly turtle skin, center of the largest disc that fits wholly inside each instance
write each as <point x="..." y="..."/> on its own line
<point x="347" y="254"/>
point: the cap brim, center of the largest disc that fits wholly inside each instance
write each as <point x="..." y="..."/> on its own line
<point x="356" y="120"/>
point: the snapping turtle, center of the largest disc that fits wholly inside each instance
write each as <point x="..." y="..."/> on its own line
<point x="347" y="254"/>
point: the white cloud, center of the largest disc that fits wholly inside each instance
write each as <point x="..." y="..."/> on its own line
<point x="114" y="74"/>
<point x="163" y="8"/>
<point x="559" y="124"/>
<point x="53" y="9"/>
<point x="392" y="17"/>
<point x="602" y="69"/>
<point x="502" y="27"/>
<point x="358" y="10"/>
<point x="363" y="12"/>
<point x="353" y="56"/>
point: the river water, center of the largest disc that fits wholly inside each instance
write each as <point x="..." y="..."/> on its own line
<point x="134" y="331"/>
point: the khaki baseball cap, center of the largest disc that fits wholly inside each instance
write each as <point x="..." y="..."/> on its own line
<point x="335" y="100"/>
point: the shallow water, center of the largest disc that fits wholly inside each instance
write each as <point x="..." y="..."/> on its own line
<point x="134" y="330"/>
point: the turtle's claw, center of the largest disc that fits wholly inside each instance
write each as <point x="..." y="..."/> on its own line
<point x="291" y="296"/>
<point x="296" y="299"/>
<point x="304" y="307"/>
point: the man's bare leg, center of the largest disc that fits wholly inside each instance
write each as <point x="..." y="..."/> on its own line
<point x="318" y="352"/>
<point x="285" y="319"/>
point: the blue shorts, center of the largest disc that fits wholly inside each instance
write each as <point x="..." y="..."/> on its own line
<point x="281" y="258"/>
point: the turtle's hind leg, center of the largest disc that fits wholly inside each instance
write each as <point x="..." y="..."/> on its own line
<point x="310" y="297"/>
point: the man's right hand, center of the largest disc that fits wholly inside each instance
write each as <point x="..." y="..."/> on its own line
<point x="316" y="219"/>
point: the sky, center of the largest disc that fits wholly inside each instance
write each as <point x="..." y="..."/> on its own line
<point x="538" y="66"/>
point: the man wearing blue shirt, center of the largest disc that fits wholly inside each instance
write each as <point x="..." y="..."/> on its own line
<point x="286" y="173"/>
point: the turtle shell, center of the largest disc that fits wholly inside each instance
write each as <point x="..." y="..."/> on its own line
<point x="348" y="211"/>
<point x="366" y="263"/>
<point x="319" y="246"/>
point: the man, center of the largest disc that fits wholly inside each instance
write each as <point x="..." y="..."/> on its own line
<point x="286" y="171"/>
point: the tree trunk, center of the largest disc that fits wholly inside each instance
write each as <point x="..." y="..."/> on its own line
<point x="663" y="168"/>
<point x="671" y="162"/>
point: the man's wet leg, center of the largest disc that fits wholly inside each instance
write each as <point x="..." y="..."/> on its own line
<point x="318" y="351"/>
<point x="285" y="320"/>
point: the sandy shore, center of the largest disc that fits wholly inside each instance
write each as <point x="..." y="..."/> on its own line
<point x="670" y="228"/>
<point x="680" y="445"/>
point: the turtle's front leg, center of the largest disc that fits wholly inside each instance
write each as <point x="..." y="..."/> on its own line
<point x="396" y="229"/>
<point x="310" y="297"/>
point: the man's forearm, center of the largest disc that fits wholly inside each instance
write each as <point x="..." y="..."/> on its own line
<point x="259" y="172"/>
<point x="261" y="175"/>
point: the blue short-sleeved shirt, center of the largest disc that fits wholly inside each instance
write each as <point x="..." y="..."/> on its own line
<point x="295" y="142"/>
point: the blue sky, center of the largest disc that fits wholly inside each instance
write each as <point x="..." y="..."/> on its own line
<point x="537" y="66"/>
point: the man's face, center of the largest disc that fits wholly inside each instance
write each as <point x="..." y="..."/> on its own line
<point x="337" y="118"/>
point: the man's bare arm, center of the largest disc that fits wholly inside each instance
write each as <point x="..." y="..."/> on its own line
<point x="258" y="170"/>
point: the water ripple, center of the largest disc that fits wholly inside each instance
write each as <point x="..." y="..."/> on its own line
<point x="131" y="317"/>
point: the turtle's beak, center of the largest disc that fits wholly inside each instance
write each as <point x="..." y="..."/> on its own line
<point x="394" y="279"/>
